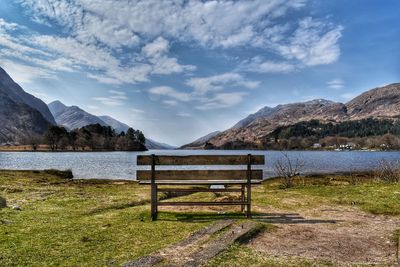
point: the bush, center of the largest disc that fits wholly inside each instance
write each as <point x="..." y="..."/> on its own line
<point x="388" y="172"/>
<point x="3" y="202"/>
<point x="287" y="169"/>
<point x="67" y="174"/>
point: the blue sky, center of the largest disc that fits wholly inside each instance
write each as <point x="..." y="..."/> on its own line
<point x="180" y="69"/>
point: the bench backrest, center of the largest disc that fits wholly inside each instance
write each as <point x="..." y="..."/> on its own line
<point x="153" y="160"/>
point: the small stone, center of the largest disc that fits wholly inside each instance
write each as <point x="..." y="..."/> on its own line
<point x="16" y="207"/>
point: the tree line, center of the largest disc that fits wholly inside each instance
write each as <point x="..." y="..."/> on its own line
<point x="367" y="133"/>
<point x="93" y="137"/>
<point x="361" y="134"/>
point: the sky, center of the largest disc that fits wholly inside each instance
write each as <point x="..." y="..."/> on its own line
<point x="180" y="69"/>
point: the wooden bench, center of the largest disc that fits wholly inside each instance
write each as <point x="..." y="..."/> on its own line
<point x="233" y="180"/>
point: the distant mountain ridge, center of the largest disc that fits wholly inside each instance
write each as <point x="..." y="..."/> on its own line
<point x="382" y="103"/>
<point x="201" y="141"/>
<point x="117" y="125"/>
<point x="73" y="117"/>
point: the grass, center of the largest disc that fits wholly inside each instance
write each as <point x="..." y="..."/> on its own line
<point x="97" y="222"/>
<point x="313" y="191"/>
<point x="83" y="222"/>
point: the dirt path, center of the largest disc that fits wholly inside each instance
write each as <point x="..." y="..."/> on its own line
<point x="200" y="247"/>
<point x="343" y="235"/>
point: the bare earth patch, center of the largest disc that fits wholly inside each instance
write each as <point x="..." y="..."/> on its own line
<point x="344" y="235"/>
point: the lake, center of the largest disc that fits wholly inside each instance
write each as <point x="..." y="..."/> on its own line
<point x="122" y="165"/>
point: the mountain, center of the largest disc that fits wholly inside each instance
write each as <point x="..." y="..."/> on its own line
<point x="267" y="119"/>
<point x="18" y="120"/>
<point x="18" y="95"/>
<point x="200" y="142"/>
<point x="56" y="107"/>
<point x="72" y="117"/>
<point x="117" y="125"/>
<point x="151" y="144"/>
<point x="380" y="103"/>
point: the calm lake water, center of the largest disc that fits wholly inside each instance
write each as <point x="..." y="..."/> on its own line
<point x="122" y="165"/>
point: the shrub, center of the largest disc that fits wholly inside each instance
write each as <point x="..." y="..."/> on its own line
<point x="288" y="169"/>
<point x="67" y="174"/>
<point x="388" y="172"/>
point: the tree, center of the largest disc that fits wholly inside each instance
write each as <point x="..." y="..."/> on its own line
<point x="53" y="136"/>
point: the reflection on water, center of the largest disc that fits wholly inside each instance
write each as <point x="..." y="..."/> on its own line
<point x="122" y="165"/>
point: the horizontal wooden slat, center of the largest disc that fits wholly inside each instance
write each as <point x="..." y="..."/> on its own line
<point x="200" y="182"/>
<point x="198" y="175"/>
<point x="201" y="203"/>
<point x="194" y="190"/>
<point x="201" y="160"/>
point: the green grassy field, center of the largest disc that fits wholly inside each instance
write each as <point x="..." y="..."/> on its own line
<point x="99" y="223"/>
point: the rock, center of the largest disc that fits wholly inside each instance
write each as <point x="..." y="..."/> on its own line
<point x="3" y="202"/>
<point x="16" y="207"/>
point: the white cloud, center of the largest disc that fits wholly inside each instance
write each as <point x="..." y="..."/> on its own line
<point x="72" y="54"/>
<point x="204" y="85"/>
<point x="156" y="48"/>
<point x="184" y="115"/>
<point x="116" y="98"/>
<point x="96" y="32"/>
<point x="211" y="23"/>
<point x="170" y="102"/>
<point x="222" y="100"/>
<point x="7" y="25"/>
<point x="256" y="64"/>
<point x="336" y="84"/>
<point x="136" y="110"/>
<point x="25" y="74"/>
<point x="170" y="92"/>
<point x="156" y="52"/>
<point x="207" y="91"/>
<point x="117" y="23"/>
<point x="313" y="43"/>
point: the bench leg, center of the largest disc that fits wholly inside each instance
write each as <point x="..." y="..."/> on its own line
<point x="248" y="211"/>
<point x="154" y="207"/>
<point x="242" y="198"/>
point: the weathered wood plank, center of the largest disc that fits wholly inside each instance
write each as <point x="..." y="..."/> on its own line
<point x="201" y="160"/>
<point x="200" y="182"/>
<point x="194" y="190"/>
<point x="179" y="175"/>
<point x="202" y="203"/>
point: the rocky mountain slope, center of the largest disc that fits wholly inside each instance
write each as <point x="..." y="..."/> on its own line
<point x="117" y="125"/>
<point x="382" y="102"/>
<point x="72" y="117"/>
<point x="18" y="120"/>
<point x="18" y="95"/>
